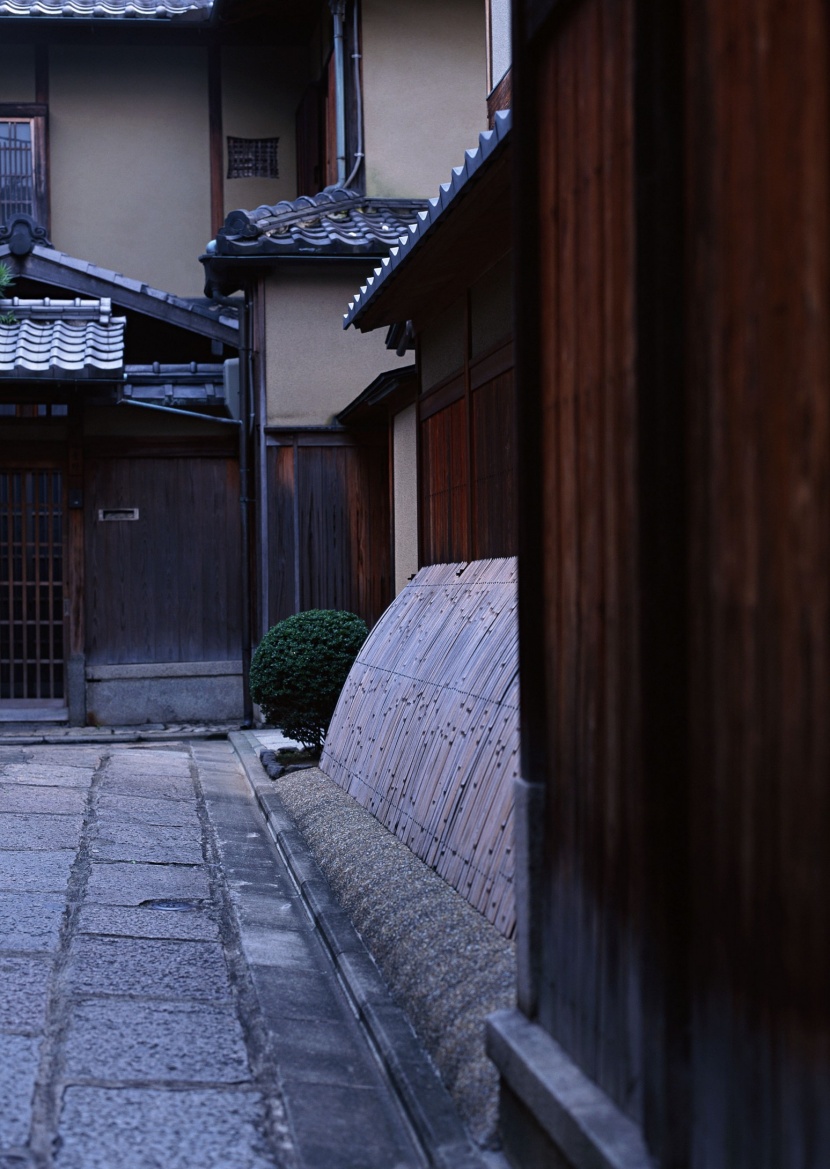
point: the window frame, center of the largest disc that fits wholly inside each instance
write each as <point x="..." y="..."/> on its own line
<point x="36" y="114"/>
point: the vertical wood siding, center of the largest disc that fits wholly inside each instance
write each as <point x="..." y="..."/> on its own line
<point x="426" y="731"/>
<point x="164" y="588"/>
<point x="759" y="349"/>
<point x="329" y="528"/>
<point x="494" y="460"/>
<point x="444" y="473"/>
<point x="468" y="474"/>
<point x="591" y="995"/>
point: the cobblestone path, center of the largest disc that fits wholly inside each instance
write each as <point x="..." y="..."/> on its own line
<point x="164" y="1002"/>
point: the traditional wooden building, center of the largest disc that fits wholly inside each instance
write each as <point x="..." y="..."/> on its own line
<point x="128" y="136"/>
<point x="673" y="317"/>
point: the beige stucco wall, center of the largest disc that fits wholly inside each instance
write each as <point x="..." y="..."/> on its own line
<point x="313" y="367"/>
<point x="405" y="494"/>
<point x="130" y="168"/>
<point x="17" y="74"/>
<point x="424" y="85"/>
<point x="261" y="89"/>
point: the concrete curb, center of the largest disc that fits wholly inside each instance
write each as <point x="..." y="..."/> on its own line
<point x="425" y="1100"/>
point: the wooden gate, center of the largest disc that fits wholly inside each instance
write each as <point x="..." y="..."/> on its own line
<point x="31" y="591"/>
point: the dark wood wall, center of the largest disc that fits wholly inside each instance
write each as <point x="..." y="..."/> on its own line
<point x="467" y="463"/>
<point x="328" y="524"/>
<point x="759" y="578"/>
<point x="165" y="587"/>
<point x="591" y="993"/>
<point x="674" y="374"/>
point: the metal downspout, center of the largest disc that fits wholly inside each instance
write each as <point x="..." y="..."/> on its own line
<point x="246" y="417"/>
<point x="338" y="11"/>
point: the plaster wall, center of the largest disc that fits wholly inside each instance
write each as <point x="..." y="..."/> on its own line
<point x="405" y="495"/>
<point x="130" y="165"/>
<point x="261" y="89"/>
<point x="313" y="367"/>
<point x="424" y="91"/>
<point x="17" y="76"/>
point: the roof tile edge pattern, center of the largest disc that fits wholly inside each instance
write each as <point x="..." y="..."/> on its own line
<point x="488" y="142"/>
<point x="105" y="9"/>
<point x="335" y="221"/>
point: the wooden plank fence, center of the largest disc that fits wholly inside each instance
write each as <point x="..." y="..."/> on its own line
<point x="426" y="732"/>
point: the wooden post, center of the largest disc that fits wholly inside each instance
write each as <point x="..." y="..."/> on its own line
<point x="75" y="634"/>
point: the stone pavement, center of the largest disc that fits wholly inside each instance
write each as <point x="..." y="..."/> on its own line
<point x="165" y="999"/>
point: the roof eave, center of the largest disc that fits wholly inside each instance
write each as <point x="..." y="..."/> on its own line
<point x="386" y="298"/>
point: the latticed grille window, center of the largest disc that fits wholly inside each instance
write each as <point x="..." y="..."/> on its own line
<point x="253" y="158"/>
<point x="17" y="171"/>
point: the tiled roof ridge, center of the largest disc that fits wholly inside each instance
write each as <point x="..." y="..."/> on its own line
<point x="104" y="9"/>
<point x="488" y="143"/>
<point x="269" y="219"/>
<point x="48" y="309"/>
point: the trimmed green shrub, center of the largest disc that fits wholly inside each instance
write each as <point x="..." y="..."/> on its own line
<point x="299" y="669"/>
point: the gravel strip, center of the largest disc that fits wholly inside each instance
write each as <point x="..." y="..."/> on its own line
<point x="445" y="965"/>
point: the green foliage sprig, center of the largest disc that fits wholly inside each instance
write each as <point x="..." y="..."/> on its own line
<point x="299" y="669"/>
<point x="6" y="281"/>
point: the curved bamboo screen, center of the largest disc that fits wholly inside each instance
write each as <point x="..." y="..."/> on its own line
<point x="426" y="731"/>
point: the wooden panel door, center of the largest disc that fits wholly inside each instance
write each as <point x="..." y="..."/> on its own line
<point x="31" y="590"/>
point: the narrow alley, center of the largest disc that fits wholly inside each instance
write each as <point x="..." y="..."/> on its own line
<point x="166" y="999"/>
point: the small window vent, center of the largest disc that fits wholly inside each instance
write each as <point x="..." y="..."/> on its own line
<point x="118" y="513"/>
<point x="253" y="158"/>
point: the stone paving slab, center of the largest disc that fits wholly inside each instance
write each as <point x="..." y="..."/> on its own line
<point x="131" y="884"/>
<point x="144" y="809"/>
<point x="150" y="1129"/>
<point x="46" y="775"/>
<point x="24" y="983"/>
<point x="155" y="1041"/>
<point x="148" y="967"/>
<point x="35" y="872"/>
<point x="196" y="923"/>
<point x="60" y="801"/>
<point x="157" y="843"/>
<point x="347" y="1110"/>
<point x="30" y="921"/>
<point x="19" y="1056"/>
<point x="38" y="831"/>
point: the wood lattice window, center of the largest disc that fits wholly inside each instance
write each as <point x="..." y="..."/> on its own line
<point x="31" y="586"/>
<point x="253" y="158"/>
<point x="23" y="162"/>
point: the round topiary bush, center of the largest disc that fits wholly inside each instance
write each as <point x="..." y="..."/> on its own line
<point x="299" y="669"/>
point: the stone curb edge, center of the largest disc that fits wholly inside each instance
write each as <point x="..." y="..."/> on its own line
<point x="425" y="1100"/>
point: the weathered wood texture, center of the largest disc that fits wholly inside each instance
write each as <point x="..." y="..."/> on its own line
<point x="469" y="514"/>
<point x="165" y="587"/>
<point x="759" y="350"/>
<point x="590" y="996"/>
<point x="426" y="732"/>
<point x="686" y="955"/>
<point x="328" y="526"/>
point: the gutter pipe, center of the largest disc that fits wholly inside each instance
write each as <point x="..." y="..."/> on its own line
<point x="358" y="91"/>
<point x="338" y="12"/>
<point x="246" y="418"/>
